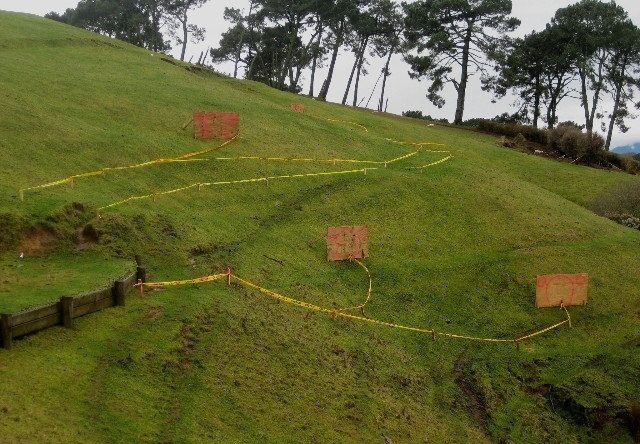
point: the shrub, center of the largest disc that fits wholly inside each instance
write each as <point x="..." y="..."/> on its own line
<point x="618" y="202"/>
<point x="530" y="133"/>
<point x="419" y="115"/>
<point x="12" y="228"/>
<point x="569" y="140"/>
<point x="413" y="114"/>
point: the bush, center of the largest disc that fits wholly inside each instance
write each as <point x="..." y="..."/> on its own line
<point x="530" y="133"/>
<point x="566" y="140"/>
<point x="12" y="228"/>
<point x="569" y="140"/>
<point x="413" y="114"/>
<point x="419" y="115"/>
<point x="619" y="202"/>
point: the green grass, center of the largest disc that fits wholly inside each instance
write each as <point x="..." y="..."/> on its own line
<point x="455" y="247"/>
<point x="36" y="280"/>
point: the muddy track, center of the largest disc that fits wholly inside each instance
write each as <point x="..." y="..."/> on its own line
<point x="476" y="401"/>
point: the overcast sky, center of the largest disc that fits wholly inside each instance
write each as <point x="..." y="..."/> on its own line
<point x="403" y="92"/>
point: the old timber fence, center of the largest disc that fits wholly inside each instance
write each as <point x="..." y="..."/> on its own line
<point x="64" y="311"/>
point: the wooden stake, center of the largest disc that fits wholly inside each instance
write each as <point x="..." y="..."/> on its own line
<point x="229" y="276"/>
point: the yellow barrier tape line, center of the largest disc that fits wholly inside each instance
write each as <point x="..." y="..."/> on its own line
<point x="298" y="159"/>
<point x="231" y="182"/>
<point x="542" y="331"/>
<point x="183" y="158"/>
<point x="366" y="130"/>
<point x="207" y="150"/>
<point x="438" y="162"/>
<point x="317" y="308"/>
<point x="361" y="306"/>
<point x="200" y="280"/>
<point x="340" y="313"/>
<point x="415" y="143"/>
<point x="336" y="160"/>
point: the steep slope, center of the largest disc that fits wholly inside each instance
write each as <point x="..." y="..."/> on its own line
<point x="454" y="247"/>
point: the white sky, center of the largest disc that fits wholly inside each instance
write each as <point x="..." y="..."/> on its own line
<point x="403" y="92"/>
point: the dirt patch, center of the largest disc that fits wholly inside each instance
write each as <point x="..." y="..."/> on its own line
<point x="477" y="404"/>
<point x="86" y="237"/>
<point x="154" y="312"/>
<point x="38" y="240"/>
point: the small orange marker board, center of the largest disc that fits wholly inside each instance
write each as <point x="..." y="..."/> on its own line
<point x="297" y="107"/>
<point x="346" y="243"/>
<point x="215" y="125"/>
<point x="555" y="290"/>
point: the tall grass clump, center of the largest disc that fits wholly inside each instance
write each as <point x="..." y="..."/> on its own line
<point x="621" y="204"/>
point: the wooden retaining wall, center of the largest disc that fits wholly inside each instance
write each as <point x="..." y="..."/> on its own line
<point x="64" y="311"/>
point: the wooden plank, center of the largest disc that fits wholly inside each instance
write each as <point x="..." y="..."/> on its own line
<point x="5" y="330"/>
<point x="119" y="293"/>
<point x="66" y="302"/>
<point x="37" y="325"/>
<point x="97" y="305"/>
<point x="93" y="296"/>
<point x="35" y="314"/>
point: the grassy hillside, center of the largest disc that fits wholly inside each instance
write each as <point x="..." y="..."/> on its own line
<point x="455" y="246"/>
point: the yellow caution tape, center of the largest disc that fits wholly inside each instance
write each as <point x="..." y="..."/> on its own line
<point x="232" y="182"/>
<point x="366" y="130"/>
<point x="438" y="162"/>
<point x="340" y="313"/>
<point x="206" y="150"/>
<point x="361" y="306"/>
<point x="181" y="159"/>
<point x="200" y="280"/>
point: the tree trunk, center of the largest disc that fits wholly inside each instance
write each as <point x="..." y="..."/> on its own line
<point x="288" y="61"/>
<point x="353" y="71"/>
<point x="384" y="77"/>
<point x="464" y="77"/>
<point x="551" y="114"/>
<point x="596" y="94"/>
<point x="585" y="99"/>
<point x="336" y="47"/>
<point x="241" y="44"/>
<point x="614" y="114"/>
<point x="536" y="102"/>
<point x="360" y="62"/>
<point x="252" y="66"/>
<point x="314" y="64"/>
<point x="185" y="35"/>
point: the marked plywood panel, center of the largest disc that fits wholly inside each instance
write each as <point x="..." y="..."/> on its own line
<point x="215" y="125"/>
<point x="346" y="243"/>
<point x="554" y="290"/>
<point x="297" y="107"/>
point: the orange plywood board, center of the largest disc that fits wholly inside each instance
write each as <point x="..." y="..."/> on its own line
<point x="215" y="125"/>
<point x="346" y="243"/>
<point x="554" y="290"/>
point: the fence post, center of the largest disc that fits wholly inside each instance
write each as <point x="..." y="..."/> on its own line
<point x="141" y="274"/>
<point x="119" y="293"/>
<point x="67" y="311"/>
<point x="5" y="327"/>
